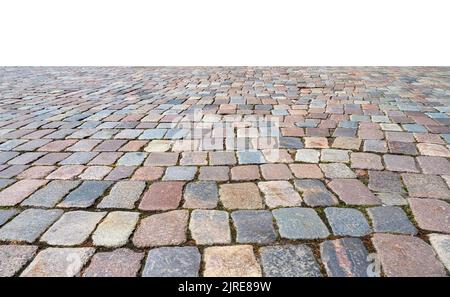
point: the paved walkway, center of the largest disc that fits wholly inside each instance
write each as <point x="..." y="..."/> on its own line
<point x="224" y="171"/>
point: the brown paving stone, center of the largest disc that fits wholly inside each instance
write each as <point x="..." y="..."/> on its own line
<point x="366" y="161"/>
<point x="245" y="173"/>
<point x="161" y="159"/>
<point x="306" y="170"/>
<point x="403" y="255"/>
<point x="400" y="163"/>
<point x="216" y="173"/>
<point x="36" y="172"/>
<point x="162" y="229"/>
<point x="434" y="165"/>
<point x="150" y="173"/>
<point x="240" y="196"/>
<point x="66" y="172"/>
<point x="431" y="214"/>
<point x="423" y="185"/>
<point x="162" y="196"/>
<point x="276" y="171"/>
<point x="353" y="192"/>
<point x="118" y="263"/>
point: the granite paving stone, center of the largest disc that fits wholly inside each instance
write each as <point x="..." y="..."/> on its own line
<point x="347" y="222"/>
<point x="115" y="229"/>
<point x="20" y="190"/>
<point x="85" y="194"/>
<point x="172" y="262"/>
<point x="279" y="193"/>
<point x="209" y="227"/>
<point x="441" y="244"/>
<point x="123" y="194"/>
<point x="299" y="223"/>
<point x="201" y="194"/>
<point x="431" y="214"/>
<point x="254" y="226"/>
<point x="118" y="263"/>
<point x="162" y="196"/>
<point x="6" y="214"/>
<point x="240" y="196"/>
<point x="391" y="219"/>
<point x="14" y="257"/>
<point x="51" y="194"/>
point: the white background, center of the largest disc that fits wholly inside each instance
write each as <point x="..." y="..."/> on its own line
<point x="229" y="32"/>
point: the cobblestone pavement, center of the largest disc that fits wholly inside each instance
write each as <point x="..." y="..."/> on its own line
<point x="224" y="171"/>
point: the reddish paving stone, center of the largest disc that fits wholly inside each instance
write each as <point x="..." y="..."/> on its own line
<point x="36" y="172"/>
<point x="109" y="146"/>
<point x="194" y="158"/>
<point x="17" y="192"/>
<point x="95" y="172"/>
<point x="276" y="171"/>
<point x="162" y="196"/>
<point x="245" y="172"/>
<point x="56" y="146"/>
<point x="66" y="172"/>
<point x="366" y="161"/>
<point x="161" y="159"/>
<point x="14" y="257"/>
<point x="316" y="142"/>
<point x="423" y="185"/>
<point x="403" y="148"/>
<point x="84" y="145"/>
<point x="120" y="172"/>
<point x="105" y="159"/>
<point x="277" y="156"/>
<point x="348" y="143"/>
<point x="216" y="173"/>
<point x="434" y="165"/>
<point x="429" y="149"/>
<point x="353" y="192"/>
<point x="403" y="255"/>
<point x="51" y="158"/>
<point x="431" y="214"/>
<point x="118" y="263"/>
<point x="133" y="146"/>
<point x="150" y="173"/>
<point x="162" y="229"/>
<point x="222" y="158"/>
<point x="400" y="163"/>
<point x="306" y="170"/>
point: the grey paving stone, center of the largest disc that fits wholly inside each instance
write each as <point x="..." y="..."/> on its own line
<point x="73" y="228"/>
<point x="315" y="193"/>
<point x="210" y="227"/>
<point x="180" y="173"/>
<point x="299" y="223"/>
<point x="392" y="199"/>
<point x="337" y="170"/>
<point x="289" y="261"/>
<point x="391" y="219"/>
<point x="123" y="194"/>
<point x="14" y="257"/>
<point x="172" y="262"/>
<point x="118" y="263"/>
<point x="441" y="244"/>
<point x="254" y="226"/>
<point x="86" y="194"/>
<point x="250" y="157"/>
<point x="385" y="181"/>
<point x="51" y="194"/>
<point x="79" y="158"/>
<point x="6" y="214"/>
<point x="347" y="221"/>
<point x="132" y="159"/>
<point x="345" y="257"/>
<point x="201" y="194"/>
<point x="29" y="225"/>
<point x="6" y="182"/>
<point x="58" y="262"/>
<point x="115" y="229"/>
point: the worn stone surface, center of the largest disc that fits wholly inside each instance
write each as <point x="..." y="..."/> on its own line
<point x="289" y="261"/>
<point x="345" y="257"/>
<point x="352" y="191"/>
<point x="210" y="227"/>
<point x="115" y="229"/>
<point x="51" y="194"/>
<point x="201" y="194"/>
<point x="254" y="226"/>
<point x="86" y="194"/>
<point x="347" y="221"/>
<point x="167" y="228"/>
<point x="58" y="262"/>
<point x="231" y="261"/>
<point x="14" y="257"/>
<point x="391" y="219"/>
<point x="20" y="190"/>
<point x="299" y="223"/>
<point x="240" y="196"/>
<point x="431" y="214"/>
<point x="315" y="193"/>
<point x="404" y="255"/>
<point x="118" y="263"/>
<point x="29" y="225"/>
<point x="428" y="186"/>
<point x="441" y="244"/>
<point x="123" y="194"/>
<point x="6" y="214"/>
<point x="279" y="193"/>
<point x="72" y="228"/>
<point x="162" y="196"/>
<point x="172" y="262"/>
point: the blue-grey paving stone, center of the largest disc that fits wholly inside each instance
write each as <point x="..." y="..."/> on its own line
<point x="79" y="158"/>
<point x="359" y="118"/>
<point x="289" y="261"/>
<point x="437" y="115"/>
<point x="315" y="193"/>
<point x="254" y="226"/>
<point x="51" y="194"/>
<point x="250" y="157"/>
<point x="73" y="228"/>
<point x="308" y="123"/>
<point x="123" y="194"/>
<point x="153" y="134"/>
<point x="176" y="133"/>
<point x="29" y="225"/>
<point x="25" y="158"/>
<point x="86" y="194"/>
<point x="6" y="182"/>
<point x="344" y="132"/>
<point x="6" y="214"/>
<point x="290" y="142"/>
<point x="299" y="223"/>
<point x="347" y="124"/>
<point x="347" y="221"/>
<point x="280" y="112"/>
<point x="414" y="128"/>
<point x="377" y="146"/>
<point x="13" y="170"/>
<point x="172" y="262"/>
<point x="391" y="219"/>
<point x="132" y="159"/>
<point x="6" y="156"/>
<point x="180" y="173"/>
<point x="345" y="257"/>
<point x="446" y="137"/>
<point x="10" y="144"/>
<point x="201" y="194"/>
